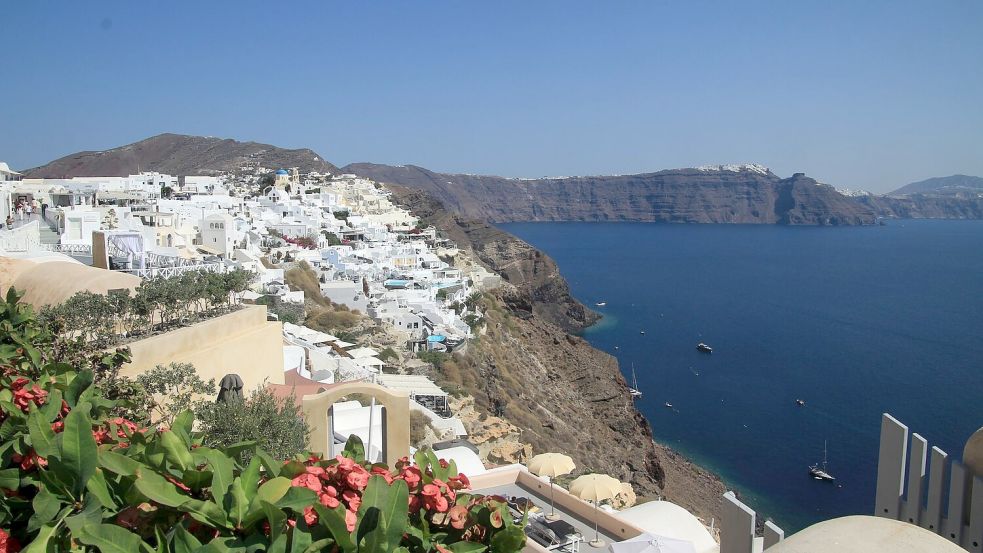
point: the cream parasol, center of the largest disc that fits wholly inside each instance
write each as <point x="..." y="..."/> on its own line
<point x="551" y="465"/>
<point x="595" y="488"/>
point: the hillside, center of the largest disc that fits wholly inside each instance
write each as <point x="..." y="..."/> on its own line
<point x="178" y="154"/>
<point x="718" y="194"/>
<point x="955" y="185"/>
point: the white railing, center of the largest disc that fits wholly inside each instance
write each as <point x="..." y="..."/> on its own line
<point x="78" y="249"/>
<point x="24" y="238"/>
<point x="913" y="491"/>
<point x="167" y="272"/>
<point x="737" y="524"/>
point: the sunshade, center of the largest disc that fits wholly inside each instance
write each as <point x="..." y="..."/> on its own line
<point x="651" y="543"/>
<point x="551" y="465"/>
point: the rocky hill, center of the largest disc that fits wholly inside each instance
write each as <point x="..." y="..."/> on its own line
<point x="924" y="206"/>
<point x="718" y="194"/>
<point x="180" y="155"/>
<point x="952" y="186"/>
<point x="562" y="393"/>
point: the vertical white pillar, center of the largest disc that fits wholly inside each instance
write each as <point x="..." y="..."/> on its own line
<point x="736" y="526"/>
<point x="890" y="467"/>
<point x="912" y="508"/>
<point x="953" y="525"/>
<point x="973" y="539"/>
<point x="938" y="480"/>
<point x="773" y="534"/>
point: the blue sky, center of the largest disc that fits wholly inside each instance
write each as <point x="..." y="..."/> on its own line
<point x="871" y="94"/>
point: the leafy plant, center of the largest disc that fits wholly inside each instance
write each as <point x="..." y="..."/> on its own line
<point x="75" y="478"/>
<point x="172" y="389"/>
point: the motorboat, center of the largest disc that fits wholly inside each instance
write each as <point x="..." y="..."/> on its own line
<point x="601" y="303"/>
<point x="669" y="405"/>
<point x="704" y="348"/>
<point x="800" y="402"/>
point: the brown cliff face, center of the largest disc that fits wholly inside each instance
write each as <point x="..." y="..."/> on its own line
<point x="542" y="289"/>
<point x="676" y="196"/>
<point x="925" y="206"/>
<point x="565" y="395"/>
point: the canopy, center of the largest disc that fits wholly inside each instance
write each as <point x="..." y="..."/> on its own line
<point x="413" y="384"/>
<point x="595" y="487"/>
<point x="664" y="518"/>
<point x="551" y="464"/>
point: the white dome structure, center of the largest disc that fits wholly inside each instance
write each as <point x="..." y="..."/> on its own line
<point x="865" y="534"/>
<point x="663" y="518"/>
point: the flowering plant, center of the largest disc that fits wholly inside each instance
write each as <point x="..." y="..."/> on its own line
<point x="75" y="477"/>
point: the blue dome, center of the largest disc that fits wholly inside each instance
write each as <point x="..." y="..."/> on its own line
<point x="282" y="172"/>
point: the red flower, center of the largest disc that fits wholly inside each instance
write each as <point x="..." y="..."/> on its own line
<point x="412" y="475"/>
<point x="441" y="549"/>
<point x="459" y="516"/>
<point x="310" y="515"/>
<point x="352" y="499"/>
<point x="316" y="471"/>
<point x="128" y="518"/>
<point x="57" y="426"/>
<point x="415" y="504"/>
<point x="383" y="472"/>
<point x="328" y="501"/>
<point x="30" y="461"/>
<point x="357" y="478"/>
<point x="101" y="435"/>
<point x="350" y="520"/>
<point x="65" y="409"/>
<point x="7" y="543"/>
<point x="459" y="482"/>
<point x="308" y="481"/>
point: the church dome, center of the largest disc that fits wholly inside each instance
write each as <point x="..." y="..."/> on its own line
<point x="282" y="172"/>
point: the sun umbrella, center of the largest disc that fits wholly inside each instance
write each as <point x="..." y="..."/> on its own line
<point x="551" y="465"/>
<point x="595" y="487"/>
<point x="652" y="543"/>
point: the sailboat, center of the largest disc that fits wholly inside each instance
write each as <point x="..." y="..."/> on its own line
<point x="821" y="473"/>
<point x="633" y="390"/>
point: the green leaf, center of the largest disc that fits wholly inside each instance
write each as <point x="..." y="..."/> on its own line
<point x="279" y="545"/>
<point x="182" y="426"/>
<point x="334" y="521"/>
<point x="274" y="489"/>
<point x="109" y="538"/>
<point x="154" y="487"/>
<point x="235" y="503"/>
<point x="296" y="499"/>
<point x="40" y="543"/>
<point x="81" y="382"/>
<point x="222" y="468"/>
<point x="183" y="541"/>
<point x="510" y="540"/>
<point x="250" y="478"/>
<point x="98" y="487"/>
<point x="278" y="519"/>
<point x="300" y="536"/>
<point x="382" y="514"/>
<point x="354" y="449"/>
<point x="46" y="506"/>
<point x="78" y="448"/>
<point x="468" y="547"/>
<point x="207" y="512"/>
<point x="175" y="450"/>
<point x="10" y="479"/>
<point x="42" y="437"/>
<point x="120" y="464"/>
<point x="321" y="545"/>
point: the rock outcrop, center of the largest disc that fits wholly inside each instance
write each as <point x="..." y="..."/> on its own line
<point x="722" y="194"/>
<point x="179" y="155"/>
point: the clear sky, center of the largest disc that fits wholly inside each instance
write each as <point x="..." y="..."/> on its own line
<point x="860" y="94"/>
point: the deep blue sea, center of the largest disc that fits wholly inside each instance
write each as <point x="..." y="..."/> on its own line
<point x="856" y="321"/>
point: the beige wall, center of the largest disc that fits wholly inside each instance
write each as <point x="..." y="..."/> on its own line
<point x="242" y="342"/>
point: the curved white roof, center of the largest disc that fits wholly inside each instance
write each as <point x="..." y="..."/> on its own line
<point x="663" y="518"/>
<point x="467" y="461"/>
<point x="865" y="534"/>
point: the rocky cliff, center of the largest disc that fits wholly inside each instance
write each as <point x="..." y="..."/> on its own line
<point x="925" y="206"/>
<point x="720" y="194"/>
<point x="179" y="155"/>
<point x="562" y="393"/>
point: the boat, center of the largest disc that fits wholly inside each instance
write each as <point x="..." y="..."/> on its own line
<point x="669" y="405"/>
<point x="821" y="473"/>
<point x="601" y="303"/>
<point x="641" y="332"/>
<point x="704" y="348"/>
<point x="800" y="402"/>
<point x="633" y="390"/>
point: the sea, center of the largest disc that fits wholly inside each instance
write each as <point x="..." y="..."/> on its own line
<point x="854" y="321"/>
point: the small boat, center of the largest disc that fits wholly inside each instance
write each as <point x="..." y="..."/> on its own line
<point x="704" y="348"/>
<point x="601" y="303"/>
<point x="669" y="405"/>
<point x="641" y="332"/>
<point x="800" y="402"/>
<point x="818" y="473"/>
<point x="633" y="390"/>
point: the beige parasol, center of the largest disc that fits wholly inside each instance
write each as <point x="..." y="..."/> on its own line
<point x="551" y="465"/>
<point x="595" y="488"/>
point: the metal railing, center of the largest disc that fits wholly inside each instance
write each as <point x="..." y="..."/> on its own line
<point x="167" y="272"/>
<point x="78" y="249"/>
